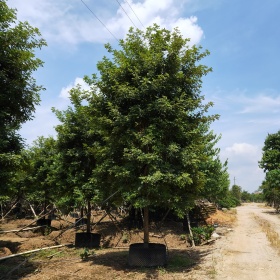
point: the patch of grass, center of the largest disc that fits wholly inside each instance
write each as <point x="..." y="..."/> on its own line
<point x="212" y="273"/>
<point x="271" y="234"/>
<point x="179" y="261"/>
<point x="46" y="254"/>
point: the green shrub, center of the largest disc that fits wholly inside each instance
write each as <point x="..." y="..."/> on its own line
<point x="201" y="234"/>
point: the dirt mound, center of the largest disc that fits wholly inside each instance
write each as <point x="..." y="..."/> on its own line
<point x="5" y="252"/>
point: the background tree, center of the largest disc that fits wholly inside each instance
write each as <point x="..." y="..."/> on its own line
<point x="19" y="92"/>
<point x="246" y="196"/>
<point x="270" y="163"/>
<point x="217" y="183"/>
<point x="236" y="192"/>
<point x="153" y="119"/>
<point x="77" y="142"/>
<point x="42" y="187"/>
<point x="271" y="153"/>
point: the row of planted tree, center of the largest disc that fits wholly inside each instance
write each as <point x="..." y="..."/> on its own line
<point x="139" y="135"/>
<point x="142" y="129"/>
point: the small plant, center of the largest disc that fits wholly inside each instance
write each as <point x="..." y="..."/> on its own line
<point x="86" y="253"/>
<point x="47" y="230"/>
<point x="201" y="234"/>
<point x="183" y="237"/>
<point x="125" y="238"/>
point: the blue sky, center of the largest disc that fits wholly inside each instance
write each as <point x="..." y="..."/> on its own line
<point x="243" y="38"/>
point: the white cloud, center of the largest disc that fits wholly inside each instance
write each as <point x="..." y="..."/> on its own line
<point x="243" y="165"/>
<point x="42" y="125"/>
<point x="242" y="149"/>
<point x="261" y="104"/>
<point x="70" y="22"/>
<point x="64" y="93"/>
<point x="245" y="102"/>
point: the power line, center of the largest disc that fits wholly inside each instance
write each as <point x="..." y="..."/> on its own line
<point x="99" y="20"/>
<point x="134" y="13"/>
<point x="126" y="14"/>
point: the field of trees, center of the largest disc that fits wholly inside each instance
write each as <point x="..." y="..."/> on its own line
<point x="138" y="140"/>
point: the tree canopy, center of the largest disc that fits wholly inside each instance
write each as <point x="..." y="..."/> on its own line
<point x="153" y="118"/>
<point x="19" y="93"/>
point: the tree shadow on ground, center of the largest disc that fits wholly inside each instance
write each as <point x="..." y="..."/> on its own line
<point x="16" y="268"/>
<point x="179" y="261"/>
<point x="12" y="246"/>
<point x="272" y="212"/>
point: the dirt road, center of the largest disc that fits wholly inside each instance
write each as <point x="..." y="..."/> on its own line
<point x="246" y="252"/>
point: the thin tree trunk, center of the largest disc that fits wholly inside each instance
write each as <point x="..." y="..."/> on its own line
<point x="2" y="213"/>
<point x="88" y="217"/>
<point x="14" y="205"/>
<point x="45" y="205"/>
<point x="190" y="229"/>
<point x="33" y="211"/>
<point x="146" y="225"/>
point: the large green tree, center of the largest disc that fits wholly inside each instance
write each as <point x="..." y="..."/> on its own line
<point x="153" y="119"/>
<point x="19" y="92"/>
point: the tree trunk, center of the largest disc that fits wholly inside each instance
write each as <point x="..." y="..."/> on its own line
<point x="45" y="204"/>
<point x="146" y="225"/>
<point x="88" y="216"/>
<point x="2" y="212"/>
<point x="190" y="229"/>
<point x="32" y="209"/>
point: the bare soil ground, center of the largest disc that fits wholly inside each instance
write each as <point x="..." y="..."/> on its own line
<point x="243" y="251"/>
